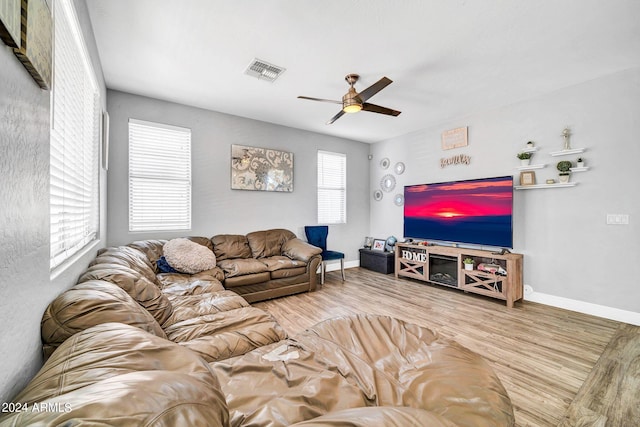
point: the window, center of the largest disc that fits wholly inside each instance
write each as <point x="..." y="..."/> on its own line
<point x="74" y="192"/>
<point x="332" y="188"/>
<point x="159" y="177"/>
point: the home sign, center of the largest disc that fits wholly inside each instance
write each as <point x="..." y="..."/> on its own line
<point x="415" y="255"/>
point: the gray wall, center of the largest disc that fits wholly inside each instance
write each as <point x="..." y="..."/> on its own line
<point x="569" y="250"/>
<point x="216" y="208"/>
<point x="27" y="287"/>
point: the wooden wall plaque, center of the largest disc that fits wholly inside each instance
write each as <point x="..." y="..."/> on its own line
<point x="454" y="138"/>
<point x="35" y="51"/>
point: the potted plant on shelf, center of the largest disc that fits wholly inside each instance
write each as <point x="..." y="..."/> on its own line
<point x="468" y="263"/>
<point x="564" y="167"/>
<point x="580" y="162"/>
<point x="530" y="145"/>
<point x="525" y="158"/>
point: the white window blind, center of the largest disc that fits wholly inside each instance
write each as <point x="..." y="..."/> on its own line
<point x="74" y="170"/>
<point x="159" y="177"/>
<point x="332" y="188"/>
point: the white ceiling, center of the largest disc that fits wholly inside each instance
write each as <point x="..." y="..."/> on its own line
<point x="447" y="58"/>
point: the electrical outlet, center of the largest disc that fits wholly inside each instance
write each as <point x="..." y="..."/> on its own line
<point x="528" y="290"/>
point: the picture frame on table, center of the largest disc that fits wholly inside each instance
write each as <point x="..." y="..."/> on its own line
<point x="378" y="245"/>
<point x="527" y="178"/>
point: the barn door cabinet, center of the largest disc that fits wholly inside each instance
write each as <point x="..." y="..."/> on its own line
<point x="494" y="275"/>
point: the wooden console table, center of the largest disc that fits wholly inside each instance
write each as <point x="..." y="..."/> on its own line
<point x="442" y="265"/>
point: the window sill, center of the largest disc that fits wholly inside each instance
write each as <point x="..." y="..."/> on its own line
<point x="60" y="269"/>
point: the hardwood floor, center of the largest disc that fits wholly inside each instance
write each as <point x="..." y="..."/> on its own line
<point x="610" y="394"/>
<point x="542" y="354"/>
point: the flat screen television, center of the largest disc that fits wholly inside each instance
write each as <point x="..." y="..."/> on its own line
<point x="476" y="211"/>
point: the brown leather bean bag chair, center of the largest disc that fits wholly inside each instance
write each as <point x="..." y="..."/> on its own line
<point x="118" y="375"/>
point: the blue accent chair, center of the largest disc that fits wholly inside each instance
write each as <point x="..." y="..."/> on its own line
<point x="317" y="236"/>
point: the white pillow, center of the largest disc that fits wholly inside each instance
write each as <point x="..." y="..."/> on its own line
<point x="187" y="256"/>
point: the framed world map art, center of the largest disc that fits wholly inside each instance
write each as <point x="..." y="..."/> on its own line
<point x="10" y="22"/>
<point x="35" y="49"/>
<point x="261" y="169"/>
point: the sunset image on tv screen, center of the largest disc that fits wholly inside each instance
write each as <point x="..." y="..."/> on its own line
<point x="475" y="211"/>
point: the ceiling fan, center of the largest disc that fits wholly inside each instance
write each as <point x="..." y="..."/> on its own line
<point x="352" y="101"/>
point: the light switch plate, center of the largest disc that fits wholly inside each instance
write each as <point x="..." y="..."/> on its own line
<point x="617" y="219"/>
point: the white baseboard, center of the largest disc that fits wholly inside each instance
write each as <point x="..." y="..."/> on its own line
<point x="616" y="314"/>
<point x="333" y="266"/>
<point x="630" y="317"/>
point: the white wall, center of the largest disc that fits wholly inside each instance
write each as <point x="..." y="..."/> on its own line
<point x="217" y="209"/>
<point x="569" y="250"/>
<point x="26" y="285"/>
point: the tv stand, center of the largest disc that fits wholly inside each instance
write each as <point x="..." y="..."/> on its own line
<point x="443" y="265"/>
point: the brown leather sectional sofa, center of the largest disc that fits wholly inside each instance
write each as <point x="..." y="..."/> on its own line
<point x="259" y="266"/>
<point x="266" y="264"/>
<point x="128" y="346"/>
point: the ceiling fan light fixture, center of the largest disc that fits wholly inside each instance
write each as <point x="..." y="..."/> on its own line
<point x="353" y="108"/>
<point x="351" y="102"/>
<point x="354" y="102"/>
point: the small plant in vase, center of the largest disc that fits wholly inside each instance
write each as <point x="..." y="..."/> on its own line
<point x="468" y="263"/>
<point x="564" y="167"/>
<point x="580" y="162"/>
<point x="525" y="158"/>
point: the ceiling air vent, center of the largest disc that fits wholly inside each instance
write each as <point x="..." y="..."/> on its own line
<point x="263" y="70"/>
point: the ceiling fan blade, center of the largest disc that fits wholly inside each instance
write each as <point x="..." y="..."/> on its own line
<point x="321" y="100"/>
<point x="378" y="109"/>
<point x="336" y="117"/>
<point x="374" y="88"/>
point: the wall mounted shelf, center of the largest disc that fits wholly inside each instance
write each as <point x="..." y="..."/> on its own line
<point x="527" y="167"/>
<point x="524" y="168"/>
<point x="556" y="185"/>
<point x="567" y="152"/>
<point x="582" y="169"/>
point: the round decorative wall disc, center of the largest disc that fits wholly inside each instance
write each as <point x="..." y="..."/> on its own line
<point x="388" y="183"/>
